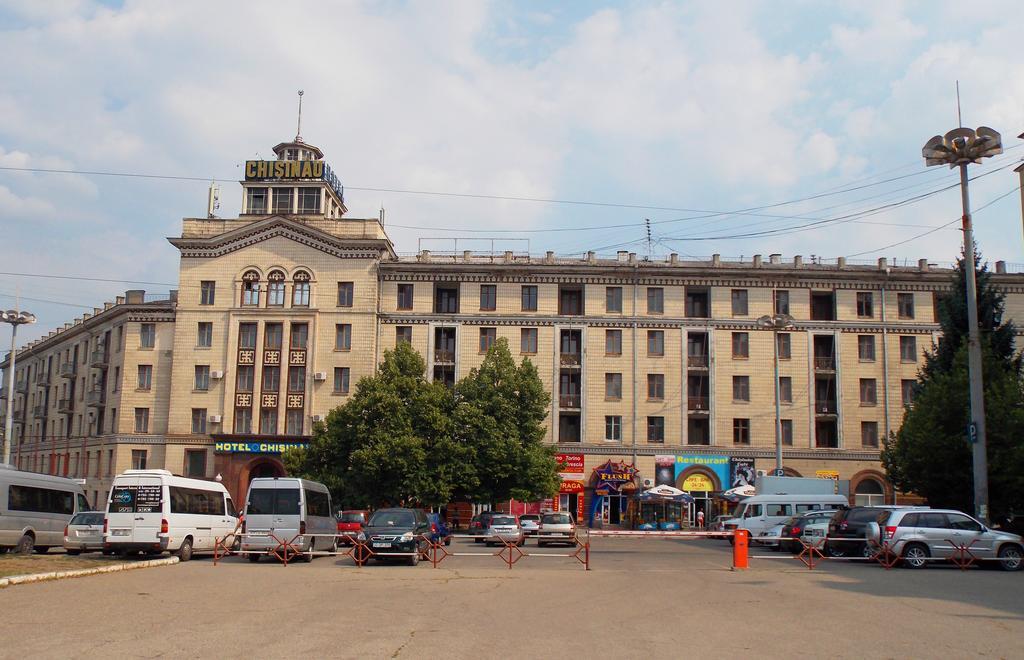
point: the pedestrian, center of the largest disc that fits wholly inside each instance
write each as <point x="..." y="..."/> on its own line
<point x="700" y="519"/>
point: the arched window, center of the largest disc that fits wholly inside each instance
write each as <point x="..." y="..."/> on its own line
<point x="300" y="294"/>
<point x="275" y="289"/>
<point x="251" y="288"/>
<point x="869" y="493"/>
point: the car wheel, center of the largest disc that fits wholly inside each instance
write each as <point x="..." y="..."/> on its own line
<point x="254" y="557"/>
<point x="835" y="550"/>
<point x="25" y="544"/>
<point x="868" y="551"/>
<point x="41" y="549"/>
<point x="915" y="555"/>
<point x="478" y="540"/>
<point x="72" y="553"/>
<point x="541" y="544"/>
<point x="185" y="551"/>
<point x="414" y="560"/>
<point x="308" y="556"/>
<point x="1010" y="558"/>
<point x="448" y="541"/>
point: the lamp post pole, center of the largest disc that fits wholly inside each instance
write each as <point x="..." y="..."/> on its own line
<point x="14" y="318"/>
<point x="775" y="323"/>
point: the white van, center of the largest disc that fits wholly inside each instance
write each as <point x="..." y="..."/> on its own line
<point x="758" y="513"/>
<point x="34" y="508"/>
<point x="153" y="511"/>
<point x="288" y="508"/>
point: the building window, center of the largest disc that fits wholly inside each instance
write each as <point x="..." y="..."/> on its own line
<point x="869" y="434"/>
<point x="741" y="431"/>
<point x="272" y="335"/>
<point x="865" y="304"/>
<point x="741" y="388"/>
<point x="656" y="387"/>
<point x="570" y="300"/>
<point x="345" y="294"/>
<point x="907" y="391"/>
<point x="300" y="289"/>
<point x="247" y="335"/>
<point x="781" y="301"/>
<point x="207" y="291"/>
<point x="656" y="429"/>
<point x="787" y="431"/>
<point x="275" y="289"/>
<point x="655" y="343"/>
<point x="613" y="386"/>
<point x="487" y="337"/>
<point x="300" y="336"/>
<point x="343" y="337"/>
<point x="195" y="463"/>
<point x="740" y="345"/>
<point x="868" y="396"/>
<point x="142" y="420"/>
<point x="786" y="389"/>
<point x="613" y="300"/>
<point x="528" y="340"/>
<point x="905" y="305"/>
<point x="271" y="381"/>
<point x="784" y="342"/>
<point x="446" y="300"/>
<point x="147" y="335"/>
<point x="655" y="300"/>
<point x="528" y="294"/>
<point x="309" y="200"/>
<point x="139" y="459"/>
<point x="613" y="342"/>
<point x="739" y="302"/>
<point x="199" y="420"/>
<point x="204" y="335"/>
<point x="251" y="289"/>
<point x="243" y="420"/>
<point x="488" y="297"/>
<point x="296" y="379"/>
<point x="293" y="422"/>
<point x="120" y="338"/>
<point x="341" y="376"/>
<point x="202" y="377"/>
<point x="613" y="427"/>
<point x="256" y="200"/>
<point x="866" y="348"/>
<point x="403" y="333"/>
<point x="145" y="381"/>
<point x="282" y="200"/>
<point x="243" y="379"/>
<point x="908" y="349"/>
<point x="405" y="297"/>
<point x="268" y="421"/>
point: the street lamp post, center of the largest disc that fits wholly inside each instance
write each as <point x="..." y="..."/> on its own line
<point x="957" y="148"/>
<point x="15" y="318"/>
<point x="776" y="322"/>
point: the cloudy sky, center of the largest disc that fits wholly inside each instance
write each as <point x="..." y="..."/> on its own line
<point x="799" y="122"/>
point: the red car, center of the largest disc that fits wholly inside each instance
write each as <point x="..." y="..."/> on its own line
<point x="350" y="523"/>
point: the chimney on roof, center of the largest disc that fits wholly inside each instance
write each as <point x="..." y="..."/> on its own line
<point x="135" y="296"/>
<point x="549" y="257"/>
<point x="757" y="261"/>
<point x="632" y="257"/>
<point x="119" y="300"/>
<point x="467" y="255"/>
<point x="883" y="263"/>
<point x="673" y="259"/>
<point x="716" y="260"/>
<point x="508" y="256"/>
<point x="425" y="256"/>
<point x="841" y="262"/>
<point x="922" y="265"/>
<point x="173" y="295"/>
<point x="1000" y="267"/>
<point x="622" y="255"/>
<point x="591" y="257"/>
<point x="798" y="261"/>
<point x="775" y="258"/>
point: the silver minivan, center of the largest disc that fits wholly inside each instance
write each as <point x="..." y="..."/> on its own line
<point x="922" y="536"/>
<point x="284" y="509"/>
<point x="35" y="508"/>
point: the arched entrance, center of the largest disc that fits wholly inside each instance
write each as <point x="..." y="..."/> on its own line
<point x="700" y="483"/>
<point x="869" y="493"/>
<point x="262" y="466"/>
<point x="266" y="468"/>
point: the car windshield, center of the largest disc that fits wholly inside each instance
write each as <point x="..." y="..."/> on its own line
<point x="791" y="521"/>
<point x="863" y="515"/>
<point x="557" y="519"/>
<point x="503" y="520"/>
<point x="352" y="517"/>
<point x="87" y="519"/>
<point x="530" y="517"/>
<point x="273" y="501"/>
<point x="392" y="519"/>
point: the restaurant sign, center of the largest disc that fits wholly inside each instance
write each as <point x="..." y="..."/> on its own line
<point x="570" y="466"/>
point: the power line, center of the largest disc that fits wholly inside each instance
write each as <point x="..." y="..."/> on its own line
<point x="86" y="279"/>
<point x="44" y="300"/>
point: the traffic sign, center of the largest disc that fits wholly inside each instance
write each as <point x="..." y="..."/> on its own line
<point x="779" y="472"/>
<point x="972" y="433"/>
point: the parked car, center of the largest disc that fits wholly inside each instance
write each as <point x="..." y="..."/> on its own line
<point x="398" y="532"/>
<point x="478" y="525"/>
<point x="810" y="527"/>
<point x="350" y="523"/>
<point x="530" y="522"/>
<point x="34" y="508"/>
<point x="288" y="509"/>
<point x="84" y="533"/>
<point x="847" y="528"/>
<point x="439" y="530"/>
<point x="757" y="513"/>
<point x="718" y="524"/>
<point x="771" y="537"/>
<point x="503" y="528"/>
<point x="557" y="527"/>
<point x="921" y="536"/>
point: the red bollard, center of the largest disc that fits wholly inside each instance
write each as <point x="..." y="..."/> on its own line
<point x="739" y="549"/>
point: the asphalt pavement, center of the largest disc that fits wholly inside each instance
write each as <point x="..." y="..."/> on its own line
<point x="660" y="598"/>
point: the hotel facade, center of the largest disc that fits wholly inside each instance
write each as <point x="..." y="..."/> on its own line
<point x="658" y="370"/>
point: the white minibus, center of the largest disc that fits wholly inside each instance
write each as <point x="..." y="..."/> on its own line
<point x="758" y="513"/>
<point x="153" y="511"/>
<point x="279" y="509"/>
<point x="34" y="508"/>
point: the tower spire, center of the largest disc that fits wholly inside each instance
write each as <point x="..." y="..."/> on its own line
<point x="298" y="127"/>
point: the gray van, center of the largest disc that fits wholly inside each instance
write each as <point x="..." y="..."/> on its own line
<point x="34" y="508"/>
<point x="287" y="509"/>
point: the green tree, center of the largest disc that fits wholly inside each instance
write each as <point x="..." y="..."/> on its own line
<point x="930" y="454"/>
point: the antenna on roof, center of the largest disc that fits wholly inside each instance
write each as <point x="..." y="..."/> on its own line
<point x="959" y="119"/>
<point x="298" y="127"/>
<point x="647" y="222"/>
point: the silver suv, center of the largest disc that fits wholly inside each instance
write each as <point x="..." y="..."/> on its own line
<point x="920" y="536"/>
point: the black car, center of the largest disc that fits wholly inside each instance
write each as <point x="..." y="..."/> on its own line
<point x="479" y="524"/>
<point x="397" y="532"/>
<point x="852" y="524"/>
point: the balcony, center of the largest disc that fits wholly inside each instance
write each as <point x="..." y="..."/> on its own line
<point x="697" y="361"/>
<point x="65" y="406"/>
<point x="825" y="407"/>
<point x="66" y="370"/>
<point x="98" y="359"/>
<point x="94" y="398"/>
<point x="19" y="416"/>
<point x="569" y="401"/>
<point x="3" y="392"/>
<point x="444" y="357"/>
<point x="43" y="378"/>
<point x="21" y="387"/>
<point x="824" y="363"/>
<point x="698" y="404"/>
<point x="570" y="359"/>
<point x="39" y="411"/>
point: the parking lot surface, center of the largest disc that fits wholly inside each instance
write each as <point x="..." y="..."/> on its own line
<point x="642" y="598"/>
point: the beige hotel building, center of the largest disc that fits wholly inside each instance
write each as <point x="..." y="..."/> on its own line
<point x="657" y="364"/>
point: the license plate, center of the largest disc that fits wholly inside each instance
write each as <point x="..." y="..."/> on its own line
<point x="379" y="544"/>
<point x="119" y="532"/>
<point x="258" y="534"/>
